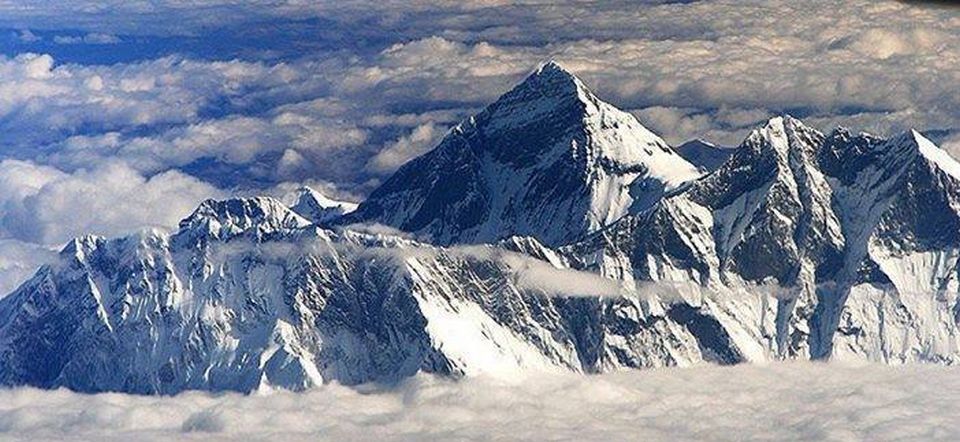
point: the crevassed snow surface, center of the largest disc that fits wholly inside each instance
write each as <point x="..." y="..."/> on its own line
<point x="786" y="401"/>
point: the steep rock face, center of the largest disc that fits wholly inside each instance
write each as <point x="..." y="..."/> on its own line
<point x="547" y="160"/>
<point x="903" y="218"/>
<point x="852" y="239"/>
<point x="247" y="295"/>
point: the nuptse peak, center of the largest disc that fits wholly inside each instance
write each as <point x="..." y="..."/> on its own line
<point x="799" y="244"/>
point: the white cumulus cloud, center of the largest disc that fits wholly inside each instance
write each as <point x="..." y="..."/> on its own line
<point x="423" y="138"/>
<point x="44" y="205"/>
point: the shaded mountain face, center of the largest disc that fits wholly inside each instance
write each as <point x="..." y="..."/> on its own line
<point x="706" y="156"/>
<point x="547" y="160"/>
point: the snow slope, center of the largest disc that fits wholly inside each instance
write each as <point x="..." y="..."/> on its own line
<point x="811" y="246"/>
<point x="319" y="209"/>
<point x="247" y="295"/>
<point x="548" y="160"/>
<point x="802" y="245"/>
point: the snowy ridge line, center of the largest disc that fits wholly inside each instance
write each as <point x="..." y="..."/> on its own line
<point x="551" y="232"/>
<point x="262" y="309"/>
<point x="548" y="159"/>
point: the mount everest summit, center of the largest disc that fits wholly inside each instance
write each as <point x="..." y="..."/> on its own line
<point x="551" y="231"/>
<point x="548" y="160"/>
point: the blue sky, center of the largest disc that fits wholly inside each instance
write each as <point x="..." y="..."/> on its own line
<point x="120" y="115"/>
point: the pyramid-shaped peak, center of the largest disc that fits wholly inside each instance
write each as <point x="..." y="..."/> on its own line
<point x="786" y="122"/>
<point x="930" y="151"/>
<point x="308" y="194"/>
<point x="548" y="159"/>
<point x="916" y="135"/>
<point x="782" y="134"/>
<point x="552" y="68"/>
<point x="550" y="96"/>
<point x="552" y="79"/>
<point x="318" y="208"/>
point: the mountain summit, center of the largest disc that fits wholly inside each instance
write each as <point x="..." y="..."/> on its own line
<point x="548" y="159"/>
<point x="855" y="236"/>
<point x="799" y="245"/>
<point x="318" y="208"/>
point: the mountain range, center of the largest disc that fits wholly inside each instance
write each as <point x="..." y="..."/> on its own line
<point x="551" y="231"/>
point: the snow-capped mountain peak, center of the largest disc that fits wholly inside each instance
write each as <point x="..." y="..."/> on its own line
<point x="553" y="77"/>
<point x="552" y="81"/>
<point x="934" y="154"/>
<point x="783" y="133"/>
<point x="548" y="92"/>
<point x="223" y="219"/>
<point x="318" y="208"/>
<point x="79" y="247"/>
<point x="602" y="249"/>
<point x="548" y="159"/>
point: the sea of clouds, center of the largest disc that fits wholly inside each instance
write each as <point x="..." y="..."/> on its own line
<point x="782" y="401"/>
<point x="117" y="115"/>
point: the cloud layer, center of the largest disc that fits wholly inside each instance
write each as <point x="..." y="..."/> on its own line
<point x="699" y="69"/>
<point x="43" y="205"/>
<point x="227" y="98"/>
<point x="807" y="401"/>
